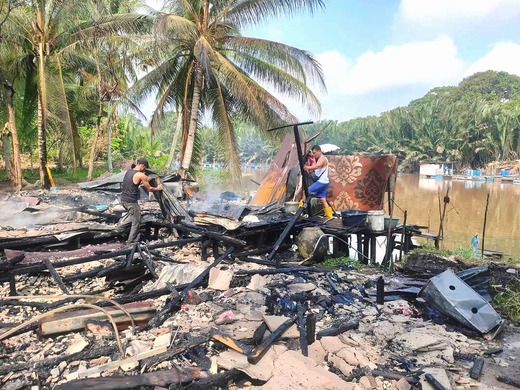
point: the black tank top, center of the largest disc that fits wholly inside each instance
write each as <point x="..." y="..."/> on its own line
<point x="130" y="191"/>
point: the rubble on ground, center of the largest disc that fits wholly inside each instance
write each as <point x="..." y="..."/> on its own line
<point x="195" y="310"/>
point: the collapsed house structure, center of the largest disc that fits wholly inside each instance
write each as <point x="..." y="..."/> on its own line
<point x="217" y="296"/>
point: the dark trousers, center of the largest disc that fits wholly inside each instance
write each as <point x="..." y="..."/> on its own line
<point x="133" y="216"/>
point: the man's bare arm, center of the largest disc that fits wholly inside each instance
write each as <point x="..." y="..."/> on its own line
<point x="144" y="182"/>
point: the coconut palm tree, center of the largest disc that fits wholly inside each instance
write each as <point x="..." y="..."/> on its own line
<point x="50" y="34"/>
<point x="204" y="65"/>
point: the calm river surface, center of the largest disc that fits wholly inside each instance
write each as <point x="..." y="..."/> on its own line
<point x="423" y="200"/>
<point x="466" y="211"/>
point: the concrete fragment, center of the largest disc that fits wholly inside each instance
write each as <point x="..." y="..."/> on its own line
<point x="300" y="287"/>
<point x="332" y="344"/>
<point x="219" y="279"/>
<point x="273" y="322"/>
<point x="78" y="345"/>
<point x="257" y="283"/>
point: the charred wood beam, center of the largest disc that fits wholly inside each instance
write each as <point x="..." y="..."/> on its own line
<point x="286" y="231"/>
<point x="147" y="262"/>
<point x="257" y="354"/>
<point x="259" y="333"/>
<point x="230" y="342"/>
<point x="302" y="328"/>
<point x="86" y="354"/>
<point x="509" y="381"/>
<point x="109" y="217"/>
<point x="40" y="267"/>
<point x="192" y="343"/>
<point x="29" y="242"/>
<point x="75" y="320"/>
<point x="209" y="234"/>
<point x="258" y="251"/>
<point x="56" y="276"/>
<point x="285" y="270"/>
<point x="434" y="382"/>
<point x="335" y="330"/>
<point x="98" y="272"/>
<point x="476" y="369"/>
<point x="130" y="256"/>
<point x="216" y="381"/>
<point x="157" y="378"/>
<point x="311" y="328"/>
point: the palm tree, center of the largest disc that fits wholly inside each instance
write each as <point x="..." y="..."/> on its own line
<point x="203" y="64"/>
<point x="51" y="34"/>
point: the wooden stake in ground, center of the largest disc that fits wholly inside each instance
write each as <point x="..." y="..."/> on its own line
<point x="443" y="214"/>
<point x="484" y="227"/>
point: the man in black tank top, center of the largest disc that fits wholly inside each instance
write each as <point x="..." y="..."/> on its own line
<point x="130" y="195"/>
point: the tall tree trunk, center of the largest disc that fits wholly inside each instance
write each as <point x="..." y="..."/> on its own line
<point x="94" y="142"/>
<point x="45" y="182"/>
<point x="16" y="172"/>
<point x="110" y="123"/>
<point x="173" y="146"/>
<point x="98" y="119"/>
<point x="68" y="124"/>
<point x="194" y="117"/>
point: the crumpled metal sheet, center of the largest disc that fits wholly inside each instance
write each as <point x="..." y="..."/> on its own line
<point x="452" y="296"/>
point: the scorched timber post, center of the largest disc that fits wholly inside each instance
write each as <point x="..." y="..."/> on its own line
<point x="300" y="155"/>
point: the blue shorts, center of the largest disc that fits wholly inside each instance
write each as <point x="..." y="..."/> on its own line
<point x="318" y="189"/>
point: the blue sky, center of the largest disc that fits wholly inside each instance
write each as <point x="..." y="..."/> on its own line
<point x="380" y="54"/>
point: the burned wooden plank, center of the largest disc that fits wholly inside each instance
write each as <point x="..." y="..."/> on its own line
<point x="287" y="229"/>
<point x="56" y="276"/>
<point x="86" y="354"/>
<point x="147" y="262"/>
<point x="170" y="353"/>
<point x="230" y="342"/>
<point x="163" y="378"/>
<point x="476" y="369"/>
<point x="509" y="381"/>
<point x="257" y="354"/>
<point x="259" y="333"/>
<point x="40" y="267"/>
<point x="98" y="272"/>
<point x="302" y="328"/>
<point x="434" y="382"/>
<point x="157" y="378"/>
<point x="75" y="320"/>
<point x="335" y="330"/>
<point x="311" y="328"/>
<point x="216" y="381"/>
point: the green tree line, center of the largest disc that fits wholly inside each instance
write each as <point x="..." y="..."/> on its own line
<point x="470" y="125"/>
<point x="74" y="75"/>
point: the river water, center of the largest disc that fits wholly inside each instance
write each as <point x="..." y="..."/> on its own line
<point x="422" y="198"/>
<point x="466" y="211"/>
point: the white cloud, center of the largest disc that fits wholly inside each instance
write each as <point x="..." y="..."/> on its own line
<point x="434" y="12"/>
<point x="504" y="56"/>
<point x="428" y="63"/>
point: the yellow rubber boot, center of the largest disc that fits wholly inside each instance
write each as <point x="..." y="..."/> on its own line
<point x="328" y="212"/>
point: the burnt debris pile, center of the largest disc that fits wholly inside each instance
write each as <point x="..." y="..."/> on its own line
<point x="221" y="297"/>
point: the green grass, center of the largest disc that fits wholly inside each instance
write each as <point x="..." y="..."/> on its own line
<point x="342" y="262"/>
<point x="507" y="300"/>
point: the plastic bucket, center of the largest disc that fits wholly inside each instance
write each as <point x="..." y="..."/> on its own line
<point x="395" y="221"/>
<point x="376" y="220"/>
<point x="354" y="218"/>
